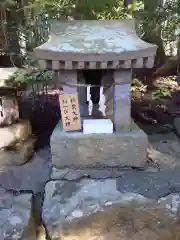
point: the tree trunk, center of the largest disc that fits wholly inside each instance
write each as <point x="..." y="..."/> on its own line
<point x="11" y="48"/>
<point x="153" y="34"/>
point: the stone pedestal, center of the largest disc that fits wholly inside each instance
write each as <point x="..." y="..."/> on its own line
<point x="120" y="149"/>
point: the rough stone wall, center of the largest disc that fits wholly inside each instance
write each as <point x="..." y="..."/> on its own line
<point x="66" y="198"/>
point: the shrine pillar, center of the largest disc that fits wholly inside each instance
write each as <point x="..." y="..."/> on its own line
<point x="122" y="99"/>
<point x="69" y="77"/>
<point x="108" y="92"/>
<point x="82" y="91"/>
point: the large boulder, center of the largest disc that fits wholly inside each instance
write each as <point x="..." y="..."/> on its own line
<point x="18" y="132"/>
<point x="20" y="154"/>
<point x="127" y="222"/>
<point x="95" y="209"/>
<point x="16" y="219"/>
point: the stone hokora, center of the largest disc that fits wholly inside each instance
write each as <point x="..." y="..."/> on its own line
<point x="109" y="50"/>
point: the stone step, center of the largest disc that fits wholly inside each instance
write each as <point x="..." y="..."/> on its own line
<point x="21" y="153"/>
<point x="18" y="132"/>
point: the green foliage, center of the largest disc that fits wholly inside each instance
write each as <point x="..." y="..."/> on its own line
<point x="163" y="92"/>
<point x="162" y="16"/>
<point x="137" y="85"/>
<point x="20" y="80"/>
<point x="34" y="16"/>
<point x="151" y="14"/>
<point x="136" y="82"/>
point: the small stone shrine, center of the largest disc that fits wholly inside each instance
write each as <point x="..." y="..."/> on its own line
<point x="16" y="141"/>
<point x="98" y="52"/>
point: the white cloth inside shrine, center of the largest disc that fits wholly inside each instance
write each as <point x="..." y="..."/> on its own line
<point x="102" y="106"/>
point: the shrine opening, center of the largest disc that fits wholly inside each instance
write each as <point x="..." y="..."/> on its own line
<point x="98" y="56"/>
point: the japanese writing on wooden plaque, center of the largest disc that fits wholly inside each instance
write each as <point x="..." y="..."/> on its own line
<point x="70" y="112"/>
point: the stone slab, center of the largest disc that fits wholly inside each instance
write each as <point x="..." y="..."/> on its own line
<point x="84" y="210"/>
<point x="152" y="183"/>
<point x="149" y="184"/>
<point x="65" y="201"/>
<point x="17" y="132"/>
<point x="19" y="155"/>
<point x="128" y="148"/>
<point x="16" y="219"/>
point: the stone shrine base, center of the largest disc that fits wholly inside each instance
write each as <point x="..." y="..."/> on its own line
<point x="123" y="149"/>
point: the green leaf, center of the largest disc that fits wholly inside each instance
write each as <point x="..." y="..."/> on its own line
<point x="133" y="6"/>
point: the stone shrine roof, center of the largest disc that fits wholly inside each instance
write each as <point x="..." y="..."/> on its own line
<point x="89" y="40"/>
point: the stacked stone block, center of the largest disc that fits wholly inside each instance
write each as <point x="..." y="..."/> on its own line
<point x="16" y="140"/>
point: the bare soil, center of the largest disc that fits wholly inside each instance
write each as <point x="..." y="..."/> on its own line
<point x="156" y="115"/>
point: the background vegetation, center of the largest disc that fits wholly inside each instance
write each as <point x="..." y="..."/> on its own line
<point x="25" y="23"/>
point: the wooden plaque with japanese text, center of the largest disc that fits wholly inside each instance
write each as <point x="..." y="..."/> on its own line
<point x="70" y="111"/>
